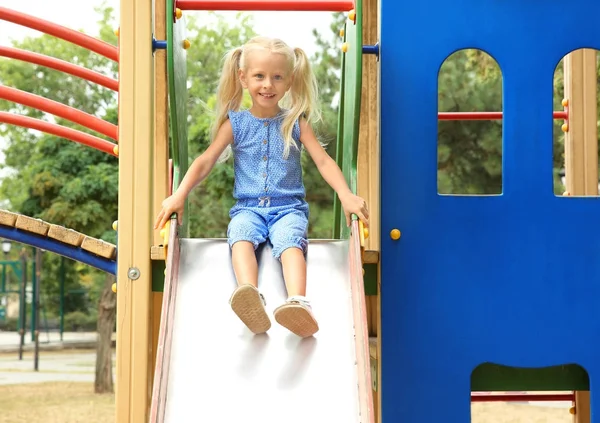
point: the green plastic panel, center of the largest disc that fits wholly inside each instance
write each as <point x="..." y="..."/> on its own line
<point x="339" y="156"/>
<point x="370" y="278"/>
<point x="158" y="275"/>
<point x="350" y="99"/>
<point x="177" y="77"/>
<point x="494" y="377"/>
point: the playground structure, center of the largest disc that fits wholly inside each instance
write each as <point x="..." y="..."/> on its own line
<point x="416" y="236"/>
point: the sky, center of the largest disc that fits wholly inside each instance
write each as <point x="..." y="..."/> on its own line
<point x="295" y="28"/>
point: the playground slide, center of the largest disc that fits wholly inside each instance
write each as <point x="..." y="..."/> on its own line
<point x="211" y="368"/>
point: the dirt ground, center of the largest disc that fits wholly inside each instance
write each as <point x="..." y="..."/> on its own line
<point x="498" y="412"/>
<point x="63" y="402"/>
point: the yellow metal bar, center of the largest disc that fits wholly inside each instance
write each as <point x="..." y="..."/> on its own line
<point x="135" y="207"/>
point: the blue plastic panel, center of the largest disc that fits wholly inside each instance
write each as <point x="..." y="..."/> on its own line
<point x="512" y="279"/>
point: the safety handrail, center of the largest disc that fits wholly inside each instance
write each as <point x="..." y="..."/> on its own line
<point x="59" y="131"/>
<point x="58" y="109"/>
<point x="60" y="65"/>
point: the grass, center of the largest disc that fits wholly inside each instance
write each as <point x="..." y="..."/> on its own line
<point x="62" y="402"/>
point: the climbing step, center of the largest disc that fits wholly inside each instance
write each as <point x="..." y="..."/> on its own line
<point x="80" y="245"/>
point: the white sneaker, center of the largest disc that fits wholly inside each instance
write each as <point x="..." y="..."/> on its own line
<point x="296" y="316"/>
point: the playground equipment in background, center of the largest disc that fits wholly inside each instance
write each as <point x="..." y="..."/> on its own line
<point x="423" y="227"/>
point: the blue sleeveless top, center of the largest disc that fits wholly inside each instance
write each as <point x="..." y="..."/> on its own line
<point x="259" y="166"/>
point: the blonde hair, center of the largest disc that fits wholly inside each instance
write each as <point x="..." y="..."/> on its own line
<point x="300" y="101"/>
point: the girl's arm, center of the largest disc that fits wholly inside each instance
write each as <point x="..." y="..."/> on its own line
<point x="333" y="175"/>
<point x="197" y="172"/>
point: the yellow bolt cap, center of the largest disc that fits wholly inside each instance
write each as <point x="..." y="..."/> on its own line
<point x="115" y="225"/>
<point x="186" y="44"/>
<point x="116" y="150"/>
<point x="178" y="13"/>
<point x="342" y="32"/>
<point x="352" y="15"/>
<point x="395" y="234"/>
<point x="345" y="47"/>
<point x="114" y="287"/>
<point x="565" y="127"/>
<point x="366" y="231"/>
<point x="117" y="32"/>
<point x="565" y="102"/>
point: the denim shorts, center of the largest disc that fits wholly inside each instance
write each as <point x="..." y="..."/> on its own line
<point x="283" y="221"/>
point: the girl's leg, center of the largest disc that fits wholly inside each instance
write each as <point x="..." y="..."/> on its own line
<point x="244" y="263"/>
<point x="245" y="230"/>
<point x="294" y="271"/>
<point x="288" y="236"/>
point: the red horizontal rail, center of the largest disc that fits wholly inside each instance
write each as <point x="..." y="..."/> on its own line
<point x="97" y="46"/>
<point x="59" y="109"/>
<point x="274" y="5"/>
<point x="487" y="115"/>
<point x="60" y="65"/>
<point x="521" y="397"/>
<point x="59" y="131"/>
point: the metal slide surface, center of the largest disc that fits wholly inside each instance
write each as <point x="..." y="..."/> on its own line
<point x="220" y="372"/>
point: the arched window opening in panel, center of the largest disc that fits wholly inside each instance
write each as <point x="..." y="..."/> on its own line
<point x="469" y="124"/>
<point x="575" y="132"/>
<point x="554" y="394"/>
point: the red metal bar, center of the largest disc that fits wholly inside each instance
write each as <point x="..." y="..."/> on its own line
<point x="487" y="115"/>
<point x="275" y="5"/>
<point x="97" y="46"/>
<point x="59" y="131"/>
<point x="59" y="109"/>
<point x="60" y="65"/>
<point x="478" y="397"/>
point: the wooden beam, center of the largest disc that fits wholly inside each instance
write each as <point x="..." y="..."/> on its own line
<point x="136" y="164"/>
<point x="581" y="152"/>
<point x="161" y="159"/>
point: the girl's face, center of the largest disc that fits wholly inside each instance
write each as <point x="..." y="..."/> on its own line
<point x="267" y="78"/>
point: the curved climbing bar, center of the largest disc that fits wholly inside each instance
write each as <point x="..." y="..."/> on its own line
<point x="59" y="31"/>
<point x="60" y="65"/>
<point x="59" y="240"/>
<point x="59" y="131"/>
<point x="58" y="109"/>
<point x="274" y="5"/>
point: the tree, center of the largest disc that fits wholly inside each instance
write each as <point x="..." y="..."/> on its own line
<point x="63" y="182"/>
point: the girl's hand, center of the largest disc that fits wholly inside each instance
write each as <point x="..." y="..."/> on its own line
<point x="354" y="204"/>
<point x="173" y="204"/>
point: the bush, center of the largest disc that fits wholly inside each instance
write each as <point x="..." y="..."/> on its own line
<point x="78" y="321"/>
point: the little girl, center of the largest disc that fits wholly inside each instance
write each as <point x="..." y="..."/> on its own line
<point x="266" y="141"/>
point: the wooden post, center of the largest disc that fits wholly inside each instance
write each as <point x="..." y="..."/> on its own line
<point x="581" y="151"/>
<point x="581" y="141"/>
<point x="136" y="164"/>
<point x="368" y="170"/>
<point x="161" y="153"/>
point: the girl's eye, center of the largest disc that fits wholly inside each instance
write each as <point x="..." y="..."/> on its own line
<point x="259" y="75"/>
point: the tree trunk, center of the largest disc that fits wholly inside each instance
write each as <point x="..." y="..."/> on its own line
<point x="106" y="322"/>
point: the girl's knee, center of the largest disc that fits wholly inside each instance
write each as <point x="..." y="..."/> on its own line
<point x="243" y="227"/>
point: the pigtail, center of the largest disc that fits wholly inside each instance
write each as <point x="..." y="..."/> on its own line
<point x="303" y="98"/>
<point x="229" y="94"/>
